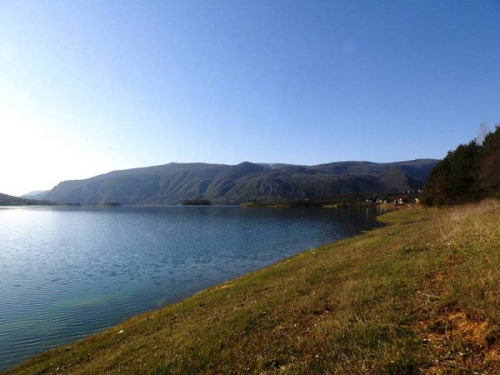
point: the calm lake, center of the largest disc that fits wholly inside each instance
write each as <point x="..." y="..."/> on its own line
<point x="66" y="273"/>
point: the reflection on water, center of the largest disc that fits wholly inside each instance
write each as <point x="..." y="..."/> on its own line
<point x="68" y="272"/>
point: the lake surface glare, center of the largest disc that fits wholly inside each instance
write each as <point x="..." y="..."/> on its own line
<point x="68" y="272"/>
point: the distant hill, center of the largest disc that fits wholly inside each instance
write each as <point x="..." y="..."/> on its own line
<point x="279" y="165"/>
<point x="33" y="194"/>
<point x="418" y="169"/>
<point x="224" y="184"/>
<point x="9" y="200"/>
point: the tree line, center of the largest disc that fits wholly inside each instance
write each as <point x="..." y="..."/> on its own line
<point x="469" y="173"/>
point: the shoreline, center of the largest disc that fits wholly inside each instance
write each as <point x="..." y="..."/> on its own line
<point x="222" y="285"/>
<point x="173" y="285"/>
<point x="297" y="314"/>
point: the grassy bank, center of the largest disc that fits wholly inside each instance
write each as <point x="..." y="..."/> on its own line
<point x="419" y="295"/>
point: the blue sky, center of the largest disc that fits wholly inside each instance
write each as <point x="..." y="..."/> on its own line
<point x="92" y="86"/>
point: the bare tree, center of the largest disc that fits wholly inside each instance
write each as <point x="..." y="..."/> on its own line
<point x="484" y="130"/>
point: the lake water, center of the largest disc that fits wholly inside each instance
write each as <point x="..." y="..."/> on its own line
<point x="66" y="272"/>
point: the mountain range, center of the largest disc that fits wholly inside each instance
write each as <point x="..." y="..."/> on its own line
<point x="245" y="182"/>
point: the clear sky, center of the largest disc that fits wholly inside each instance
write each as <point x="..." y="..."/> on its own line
<point x="91" y="86"/>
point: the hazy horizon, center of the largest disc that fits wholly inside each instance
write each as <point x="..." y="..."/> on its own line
<point x="90" y="87"/>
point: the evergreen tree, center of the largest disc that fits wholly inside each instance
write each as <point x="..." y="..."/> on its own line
<point x="454" y="179"/>
<point x="489" y="172"/>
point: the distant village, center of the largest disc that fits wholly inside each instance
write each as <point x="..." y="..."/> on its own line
<point x="408" y="196"/>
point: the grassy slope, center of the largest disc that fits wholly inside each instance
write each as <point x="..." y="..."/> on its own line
<point x="418" y="295"/>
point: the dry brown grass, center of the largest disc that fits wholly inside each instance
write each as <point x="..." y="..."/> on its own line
<point x="467" y="226"/>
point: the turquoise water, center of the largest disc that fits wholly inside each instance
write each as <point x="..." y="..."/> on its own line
<point x="68" y="272"/>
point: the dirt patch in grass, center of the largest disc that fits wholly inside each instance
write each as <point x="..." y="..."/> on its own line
<point x="459" y="342"/>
